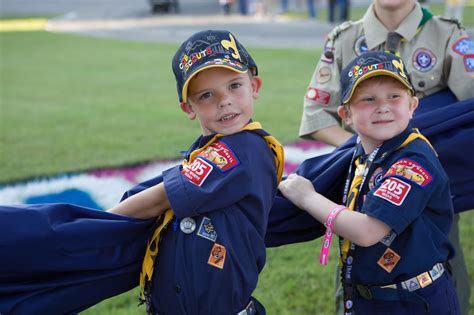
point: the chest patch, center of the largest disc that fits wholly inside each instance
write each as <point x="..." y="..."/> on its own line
<point x="393" y="190"/>
<point x="197" y="171"/>
<point x="217" y="256"/>
<point x="360" y="45"/>
<point x="389" y="260"/>
<point x="220" y="155"/>
<point x="207" y="230"/>
<point x="424" y="60"/>
<point x="411" y="171"/>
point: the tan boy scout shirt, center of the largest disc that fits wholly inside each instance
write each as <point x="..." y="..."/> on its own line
<point x="438" y="55"/>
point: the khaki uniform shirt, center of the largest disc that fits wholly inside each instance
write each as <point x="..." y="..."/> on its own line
<point x="438" y="55"/>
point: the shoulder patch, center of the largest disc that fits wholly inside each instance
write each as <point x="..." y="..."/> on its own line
<point x="410" y="170"/>
<point x="393" y="190"/>
<point x="468" y="61"/>
<point x="219" y="154"/>
<point x="463" y="46"/>
<point x="318" y="96"/>
<point x="197" y="171"/>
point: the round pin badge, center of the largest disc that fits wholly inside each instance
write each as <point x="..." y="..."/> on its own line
<point x="187" y="225"/>
<point x="424" y="60"/>
<point x="324" y="75"/>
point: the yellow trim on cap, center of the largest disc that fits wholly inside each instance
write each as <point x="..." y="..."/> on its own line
<point x="184" y="91"/>
<point x="373" y="74"/>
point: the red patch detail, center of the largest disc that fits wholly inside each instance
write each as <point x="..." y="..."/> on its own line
<point x="197" y="171"/>
<point x="393" y="190"/>
<point x="318" y="96"/>
<point x="411" y="171"/>
<point x="218" y="153"/>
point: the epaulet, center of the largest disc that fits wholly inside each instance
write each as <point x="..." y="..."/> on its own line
<point x="339" y="29"/>
<point x="452" y="21"/>
<point x="328" y="53"/>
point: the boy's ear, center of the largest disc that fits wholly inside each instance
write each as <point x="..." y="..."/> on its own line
<point x="413" y="105"/>
<point x="256" y="85"/>
<point x="188" y="109"/>
<point x="345" y="114"/>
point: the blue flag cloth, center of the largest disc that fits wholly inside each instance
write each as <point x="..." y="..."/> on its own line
<point x="61" y="258"/>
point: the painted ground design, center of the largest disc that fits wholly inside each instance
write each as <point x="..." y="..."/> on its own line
<point x="100" y="189"/>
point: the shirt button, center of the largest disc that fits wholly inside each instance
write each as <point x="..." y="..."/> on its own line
<point x="421" y="84"/>
<point x="177" y="288"/>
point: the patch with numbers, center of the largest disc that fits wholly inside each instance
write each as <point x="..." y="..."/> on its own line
<point x="411" y="170"/>
<point x="468" y="62"/>
<point x="389" y="260"/>
<point x="207" y="230"/>
<point x="375" y="178"/>
<point x="424" y="60"/>
<point x="318" y="96"/>
<point x="393" y="190"/>
<point x="464" y="46"/>
<point x="197" y="171"/>
<point x="219" y="154"/>
<point x="360" y="45"/>
<point x="217" y="256"/>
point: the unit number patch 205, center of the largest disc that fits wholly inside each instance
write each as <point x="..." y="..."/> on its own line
<point x="393" y="190"/>
<point x="197" y="171"/>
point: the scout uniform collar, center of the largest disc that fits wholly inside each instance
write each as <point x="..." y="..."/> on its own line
<point x="376" y="33"/>
<point x="254" y="126"/>
<point x="164" y="220"/>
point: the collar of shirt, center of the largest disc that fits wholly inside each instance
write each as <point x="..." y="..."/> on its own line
<point x="376" y="33"/>
<point x="392" y="144"/>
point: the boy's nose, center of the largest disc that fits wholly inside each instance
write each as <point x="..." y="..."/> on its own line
<point x="382" y="107"/>
<point x="224" y="101"/>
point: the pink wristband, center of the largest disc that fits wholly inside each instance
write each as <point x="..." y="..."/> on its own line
<point x="323" y="255"/>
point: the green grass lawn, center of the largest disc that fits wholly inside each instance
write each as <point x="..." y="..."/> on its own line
<point x="69" y="103"/>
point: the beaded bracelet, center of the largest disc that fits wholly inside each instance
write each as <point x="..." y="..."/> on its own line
<point x="323" y="256"/>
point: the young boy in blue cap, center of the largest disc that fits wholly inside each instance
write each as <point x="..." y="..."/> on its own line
<point x="397" y="210"/>
<point x="207" y="252"/>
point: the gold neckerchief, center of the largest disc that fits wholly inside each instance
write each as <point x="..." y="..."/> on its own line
<point x="152" y="248"/>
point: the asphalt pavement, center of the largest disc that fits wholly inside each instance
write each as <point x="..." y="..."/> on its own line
<point x="133" y="20"/>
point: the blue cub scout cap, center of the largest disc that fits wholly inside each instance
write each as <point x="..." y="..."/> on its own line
<point x="206" y="49"/>
<point x="371" y="64"/>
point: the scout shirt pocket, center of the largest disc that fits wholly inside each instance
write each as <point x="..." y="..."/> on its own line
<point x="426" y="70"/>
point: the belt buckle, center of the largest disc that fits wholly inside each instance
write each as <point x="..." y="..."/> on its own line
<point x="364" y="291"/>
<point x="249" y="309"/>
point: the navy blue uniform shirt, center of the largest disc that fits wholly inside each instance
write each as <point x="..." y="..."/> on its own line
<point x="227" y="192"/>
<point x="409" y="191"/>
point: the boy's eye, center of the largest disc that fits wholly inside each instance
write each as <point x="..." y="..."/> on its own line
<point x="394" y="96"/>
<point x="205" y="95"/>
<point x="368" y="99"/>
<point x="235" y="85"/>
